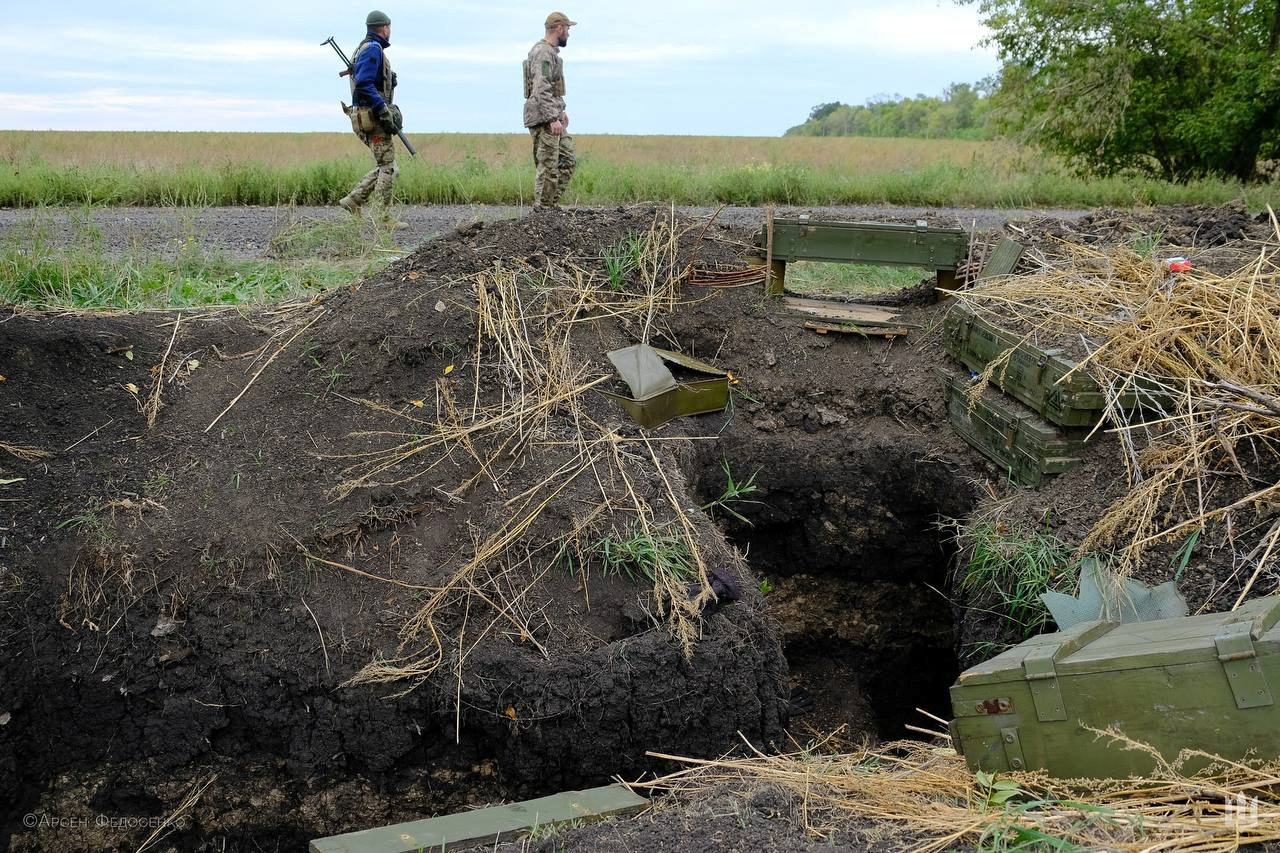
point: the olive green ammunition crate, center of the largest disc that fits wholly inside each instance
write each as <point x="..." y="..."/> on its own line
<point x="1193" y="683"/>
<point x="1037" y="377"/>
<point x="1027" y="447"/>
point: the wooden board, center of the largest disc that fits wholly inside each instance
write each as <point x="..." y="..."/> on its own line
<point x="486" y="826"/>
<point x="866" y="315"/>
<point x="1002" y="260"/>
<point x="1007" y="433"/>
<point x="851" y="329"/>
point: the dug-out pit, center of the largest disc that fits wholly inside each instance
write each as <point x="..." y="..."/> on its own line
<point x="846" y="533"/>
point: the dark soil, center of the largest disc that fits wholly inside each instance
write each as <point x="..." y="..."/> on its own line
<point x="174" y="607"/>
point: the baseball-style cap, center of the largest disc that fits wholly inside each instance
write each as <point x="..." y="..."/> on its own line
<point x="555" y="19"/>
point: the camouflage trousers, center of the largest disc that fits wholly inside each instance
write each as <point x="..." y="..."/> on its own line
<point x="553" y="157"/>
<point x="381" y="180"/>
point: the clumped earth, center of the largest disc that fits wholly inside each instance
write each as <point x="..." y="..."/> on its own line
<point x="184" y="604"/>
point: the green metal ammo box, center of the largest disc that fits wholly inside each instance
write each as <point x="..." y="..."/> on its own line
<point x="666" y="385"/>
<point x="1028" y="448"/>
<point x="1196" y="682"/>
<point x="1037" y="377"/>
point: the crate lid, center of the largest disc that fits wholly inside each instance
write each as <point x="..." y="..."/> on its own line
<point x="1110" y="646"/>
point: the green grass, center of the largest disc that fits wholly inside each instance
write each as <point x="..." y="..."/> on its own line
<point x="1014" y="567"/>
<point x="735" y="492"/>
<point x="637" y="554"/>
<point x="34" y="273"/>
<point x="281" y="169"/>
<point x="852" y="279"/>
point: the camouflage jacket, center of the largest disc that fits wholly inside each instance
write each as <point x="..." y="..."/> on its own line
<point x="543" y="84"/>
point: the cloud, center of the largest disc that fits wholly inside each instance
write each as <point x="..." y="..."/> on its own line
<point x="512" y="53"/>
<point x="75" y="45"/>
<point x="117" y="102"/>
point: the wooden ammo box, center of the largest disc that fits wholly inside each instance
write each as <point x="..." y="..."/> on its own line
<point x="1196" y="682"/>
<point x="1034" y="376"/>
<point x="1027" y="447"/>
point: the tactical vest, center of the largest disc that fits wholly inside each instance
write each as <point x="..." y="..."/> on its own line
<point x="556" y="75"/>
<point x="385" y="89"/>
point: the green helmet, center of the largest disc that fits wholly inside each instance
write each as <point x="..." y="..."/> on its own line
<point x="377" y="19"/>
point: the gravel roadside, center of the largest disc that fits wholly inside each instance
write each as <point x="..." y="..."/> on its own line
<point x="245" y="232"/>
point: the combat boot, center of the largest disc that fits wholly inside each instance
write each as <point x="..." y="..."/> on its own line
<point x="350" y="205"/>
<point x="384" y="218"/>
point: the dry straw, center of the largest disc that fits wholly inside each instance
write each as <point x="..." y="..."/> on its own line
<point x="1200" y="351"/>
<point x="926" y="799"/>
<point x="528" y="386"/>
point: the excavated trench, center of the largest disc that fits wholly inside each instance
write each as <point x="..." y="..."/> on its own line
<point x="845" y="530"/>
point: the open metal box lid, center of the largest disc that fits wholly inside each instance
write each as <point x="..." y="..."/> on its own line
<point x="656" y="395"/>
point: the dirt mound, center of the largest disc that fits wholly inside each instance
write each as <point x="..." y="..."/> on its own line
<point x="391" y="553"/>
<point x="197" y="593"/>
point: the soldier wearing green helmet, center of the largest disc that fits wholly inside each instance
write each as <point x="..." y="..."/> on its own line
<point x="375" y="119"/>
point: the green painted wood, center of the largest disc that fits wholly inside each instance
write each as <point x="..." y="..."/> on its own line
<point x="486" y="826"/>
<point x="876" y="243"/>
<point x="1028" y="448"/>
<point x="1004" y="257"/>
<point x="1043" y="379"/>
<point x="1166" y="683"/>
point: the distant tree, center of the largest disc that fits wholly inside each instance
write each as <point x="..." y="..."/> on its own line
<point x="1175" y="88"/>
<point x="821" y="111"/>
<point x="962" y="111"/>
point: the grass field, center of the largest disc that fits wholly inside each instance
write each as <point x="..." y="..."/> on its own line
<point x="308" y="259"/>
<point x="197" y="169"/>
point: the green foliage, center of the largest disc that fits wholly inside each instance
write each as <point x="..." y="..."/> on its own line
<point x="852" y="279"/>
<point x="638" y="553"/>
<point x="734" y="493"/>
<point x="766" y="586"/>
<point x="960" y="113"/>
<point x="997" y="176"/>
<point x="1180" y="90"/>
<point x="622" y="259"/>
<point x="995" y="792"/>
<point x="1017" y="830"/>
<point x="346" y="238"/>
<point x="1014" y="568"/>
<point x="38" y="274"/>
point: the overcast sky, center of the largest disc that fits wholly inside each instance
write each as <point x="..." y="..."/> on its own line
<point x="720" y="67"/>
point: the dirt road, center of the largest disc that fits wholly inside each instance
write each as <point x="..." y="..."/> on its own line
<point x="246" y="232"/>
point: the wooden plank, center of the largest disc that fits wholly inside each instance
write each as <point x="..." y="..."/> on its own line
<point x="851" y="329"/>
<point x="880" y="243"/>
<point x="486" y="826"/>
<point x="1028" y="448"/>
<point x="1003" y="259"/>
<point x="852" y="311"/>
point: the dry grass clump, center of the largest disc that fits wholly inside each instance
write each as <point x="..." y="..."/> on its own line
<point x="24" y="452"/>
<point x="1200" y="351"/>
<point x="933" y="803"/>
<point x="526" y="397"/>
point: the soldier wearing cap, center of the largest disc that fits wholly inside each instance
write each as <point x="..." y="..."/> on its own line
<point x="544" y="113"/>
<point x="374" y="118"/>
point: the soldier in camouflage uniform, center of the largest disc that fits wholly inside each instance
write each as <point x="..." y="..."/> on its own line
<point x="374" y="119"/>
<point x="544" y="113"/>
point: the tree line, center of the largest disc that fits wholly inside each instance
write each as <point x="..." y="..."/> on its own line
<point x="1175" y="89"/>
<point x="961" y="112"/>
